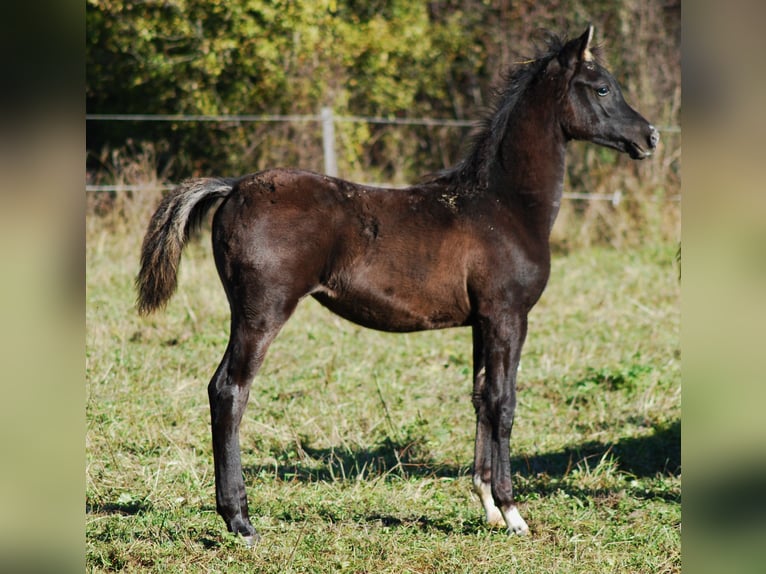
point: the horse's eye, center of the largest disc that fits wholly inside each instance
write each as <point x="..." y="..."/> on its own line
<point x="602" y="91"/>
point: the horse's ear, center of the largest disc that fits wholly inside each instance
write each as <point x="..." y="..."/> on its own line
<point x="577" y="51"/>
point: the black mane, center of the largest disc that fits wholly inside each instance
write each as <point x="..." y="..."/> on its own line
<point x="473" y="170"/>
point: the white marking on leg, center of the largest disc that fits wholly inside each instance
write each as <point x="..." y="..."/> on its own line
<point x="514" y="521"/>
<point x="484" y="490"/>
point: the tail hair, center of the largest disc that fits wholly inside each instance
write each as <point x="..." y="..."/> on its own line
<point x="179" y="214"/>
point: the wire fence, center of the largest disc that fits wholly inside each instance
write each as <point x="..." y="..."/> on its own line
<point x="327" y="118"/>
<point x="244" y="118"/>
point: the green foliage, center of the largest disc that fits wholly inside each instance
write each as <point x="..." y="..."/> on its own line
<point x="215" y="57"/>
<point x="385" y="58"/>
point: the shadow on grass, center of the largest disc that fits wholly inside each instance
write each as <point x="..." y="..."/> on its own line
<point x="128" y="508"/>
<point x="401" y="458"/>
<point x="645" y="456"/>
<point x="657" y="453"/>
<point x="446" y="525"/>
<point x="654" y="455"/>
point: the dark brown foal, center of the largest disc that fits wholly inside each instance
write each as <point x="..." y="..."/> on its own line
<point x="467" y="247"/>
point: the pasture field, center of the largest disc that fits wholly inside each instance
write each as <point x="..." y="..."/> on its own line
<point x="357" y="445"/>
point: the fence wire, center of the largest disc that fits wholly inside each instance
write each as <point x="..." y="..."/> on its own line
<point x="327" y="118"/>
<point x="248" y="118"/>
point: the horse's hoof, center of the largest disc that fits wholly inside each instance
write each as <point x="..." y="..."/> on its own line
<point x="250" y="540"/>
<point x="516" y="524"/>
<point x="494" y="518"/>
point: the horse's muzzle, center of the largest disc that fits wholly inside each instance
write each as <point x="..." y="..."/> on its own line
<point x="654" y="137"/>
<point x="644" y="149"/>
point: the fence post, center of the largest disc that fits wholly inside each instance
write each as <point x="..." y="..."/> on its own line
<point x="328" y="142"/>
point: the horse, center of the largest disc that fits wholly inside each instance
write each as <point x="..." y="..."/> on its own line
<point x="464" y="247"/>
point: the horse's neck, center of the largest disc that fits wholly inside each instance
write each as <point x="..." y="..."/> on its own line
<point x="529" y="172"/>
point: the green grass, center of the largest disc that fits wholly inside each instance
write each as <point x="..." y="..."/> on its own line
<point x="357" y="445"/>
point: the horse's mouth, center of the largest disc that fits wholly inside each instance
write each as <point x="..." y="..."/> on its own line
<point x="635" y="151"/>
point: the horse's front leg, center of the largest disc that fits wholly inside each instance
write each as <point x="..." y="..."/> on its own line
<point x="482" y="461"/>
<point x="503" y="337"/>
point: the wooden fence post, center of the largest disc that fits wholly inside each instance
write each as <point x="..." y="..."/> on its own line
<point x="328" y="142"/>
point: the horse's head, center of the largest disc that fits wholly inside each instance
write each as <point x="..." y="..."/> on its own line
<point x="594" y="109"/>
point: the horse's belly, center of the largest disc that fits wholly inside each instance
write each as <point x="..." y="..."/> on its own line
<point x="385" y="310"/>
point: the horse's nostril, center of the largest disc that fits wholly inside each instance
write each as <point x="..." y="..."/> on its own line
<point x="654" y="136"/>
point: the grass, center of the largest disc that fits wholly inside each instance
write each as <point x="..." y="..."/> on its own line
<point x="357" y="445"/>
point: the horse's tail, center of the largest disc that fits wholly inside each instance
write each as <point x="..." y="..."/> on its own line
<point x="179" y="214"/>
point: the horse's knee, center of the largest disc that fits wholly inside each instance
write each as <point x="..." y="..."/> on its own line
<point x="479" y="390"/>
<point x="503" y="410"/>
<point x="505" y="418"/>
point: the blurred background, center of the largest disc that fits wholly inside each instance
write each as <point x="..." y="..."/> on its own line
<point x="404" y="81"/>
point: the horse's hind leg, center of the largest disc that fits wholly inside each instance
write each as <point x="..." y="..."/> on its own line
<point x="228" y="392"/>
